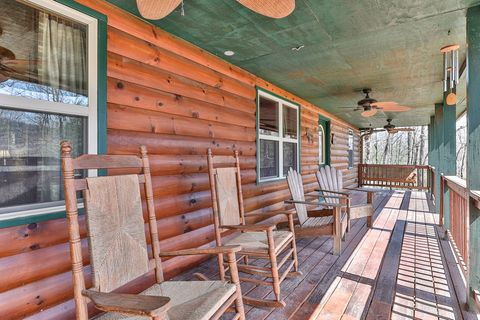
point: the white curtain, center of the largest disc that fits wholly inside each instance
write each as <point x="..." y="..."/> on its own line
<point x="62" y="54"/>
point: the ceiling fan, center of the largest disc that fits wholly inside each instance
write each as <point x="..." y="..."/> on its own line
<point x="370" y="106"/>
<point x="389" y="127"/>
<point x="158" y="9"/>
<point x="10" y="67"/>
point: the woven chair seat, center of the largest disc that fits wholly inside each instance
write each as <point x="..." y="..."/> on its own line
<point x="190" y="300"/>
<point x="258" y="242"/>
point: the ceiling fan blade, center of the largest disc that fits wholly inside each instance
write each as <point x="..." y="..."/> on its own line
<point x="369" y="113"/>
<point x="384" y="103"/>
<point x="395" y="108"/>
<point x="156" y="9"/>
<point x="271" y="8"/>
<point x="6" y="54"/>
<point x="370" y="132"/>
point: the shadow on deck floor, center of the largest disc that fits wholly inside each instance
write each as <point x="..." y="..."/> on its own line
<point x="397" y="269"/>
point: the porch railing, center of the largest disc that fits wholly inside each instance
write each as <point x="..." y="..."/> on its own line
<point x="397" y="176"/>
<point x="458" y="227"/>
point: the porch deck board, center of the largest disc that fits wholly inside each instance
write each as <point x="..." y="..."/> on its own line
<point x="399" y="269"/>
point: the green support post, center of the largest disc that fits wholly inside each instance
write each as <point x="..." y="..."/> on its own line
<point x="448" y="154"/>
<point x="438" y="150"/>
<point x="431" y="142"/>
<point x="431" y="146"/>
<point x="473" y="150"/>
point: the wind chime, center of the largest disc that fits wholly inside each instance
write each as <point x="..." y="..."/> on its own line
<point x="450" y="73"/>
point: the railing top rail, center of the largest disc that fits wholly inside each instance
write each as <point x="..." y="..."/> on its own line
<point x="396" y="166"/>
<point x="475" y="194"/>
<point x="457" y="181"/>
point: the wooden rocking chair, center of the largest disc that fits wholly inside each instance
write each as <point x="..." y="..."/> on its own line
<point x="119" y="254"/>
<point x="315" y="218"/>
<point x="260" y="241"/>
<point x="331" y="185"/>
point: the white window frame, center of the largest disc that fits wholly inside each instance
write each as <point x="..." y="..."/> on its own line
<point x="351" y="147"/>
<point x="322" y="160"/>
<point x="90" y="111"/>
<point x="280" y="139"/>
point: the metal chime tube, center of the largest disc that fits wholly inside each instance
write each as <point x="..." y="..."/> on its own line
<point x="452" y="69"/>
<point x="457" y="69"/>
<point x="445" y="71"/>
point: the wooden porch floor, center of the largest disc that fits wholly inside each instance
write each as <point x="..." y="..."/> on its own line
<point x="399" y="267"/>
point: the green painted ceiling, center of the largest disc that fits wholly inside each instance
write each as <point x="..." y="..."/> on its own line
<point x="391" y="46"/>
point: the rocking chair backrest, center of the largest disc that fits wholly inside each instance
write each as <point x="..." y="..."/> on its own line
<point x="331" y="179"/>
<point x="295" y="184"/>
<point x="115" y="223"/>
<point x="115" y="231"/>
<point x="226" y="189"/>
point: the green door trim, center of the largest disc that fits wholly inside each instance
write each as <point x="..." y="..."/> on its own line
<point x="325" y="123"/>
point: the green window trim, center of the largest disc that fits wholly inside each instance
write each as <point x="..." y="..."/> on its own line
<point x="101" y="108"/>
<point x="299" y="137"/>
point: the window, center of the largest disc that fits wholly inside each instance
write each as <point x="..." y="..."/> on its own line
<point x="323" y="141"/>
<point x="350" y="149"/>
<point x="321" y="145"/>
<point x="48" y="93"/>
<point x="278" y="136"/>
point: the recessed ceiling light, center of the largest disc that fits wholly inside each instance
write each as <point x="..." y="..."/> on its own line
<point x="229" y="53"/>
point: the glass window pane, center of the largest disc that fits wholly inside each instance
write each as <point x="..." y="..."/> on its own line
<point x="289" y="156"/>
<point x="42" y="55"/>
<point x="268" y="159"/>
<point x="30" y="155"/>
<point x="289" y="122"/>
<point x="321" y="145"/>
<point x="268" y="117"/>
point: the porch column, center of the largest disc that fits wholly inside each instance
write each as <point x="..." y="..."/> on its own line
<point x="447" y="152"/>
<point x="433" y="150"/>
<point x="431" y="142"/>
<point x="444" y="151"/>
<point x="473" y="150"/>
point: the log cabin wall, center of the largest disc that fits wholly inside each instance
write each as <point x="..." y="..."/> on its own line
<point x="177" y="100"/>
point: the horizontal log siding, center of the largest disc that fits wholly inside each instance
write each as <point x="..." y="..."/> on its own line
<point x="177" y="100"/>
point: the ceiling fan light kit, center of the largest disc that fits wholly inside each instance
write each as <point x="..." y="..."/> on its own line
<point x="158" y="9"/>
<point x="370" y="106"/>
<point x="369" y="113"/>
<point x="450" y="72"/>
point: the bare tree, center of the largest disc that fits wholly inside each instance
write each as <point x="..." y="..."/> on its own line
<point x="399" y="148"/>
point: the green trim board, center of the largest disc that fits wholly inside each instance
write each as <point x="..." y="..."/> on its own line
<point x="101" y="107"/>
<point x="473" y="150"/>
<point x="257" y="126"/>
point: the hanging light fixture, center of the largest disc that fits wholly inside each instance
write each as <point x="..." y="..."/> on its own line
<point x="450" y="72"/>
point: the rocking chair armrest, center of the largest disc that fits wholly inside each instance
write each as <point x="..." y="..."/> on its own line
<point x="336" y="192"/>
<point x="318" y="194"/>
<point x="323" y="204"/>
<point x="132" y="304"/>
<point x="271" y="214"/>
<point x="251" y="227"/>
<point x="191" y="252"/>
<point x="362" y="190"/>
